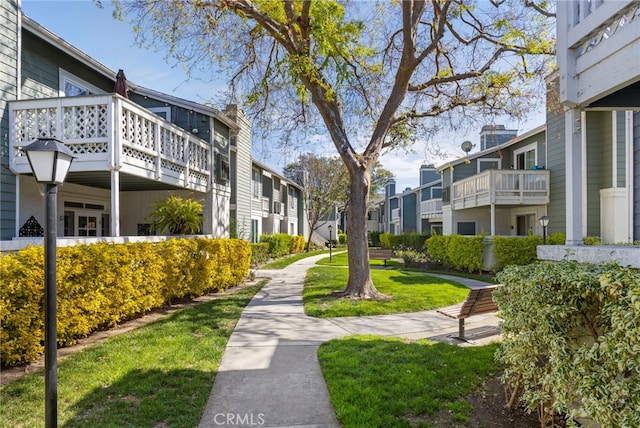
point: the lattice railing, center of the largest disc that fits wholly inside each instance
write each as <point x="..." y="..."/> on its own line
<point x="138" y="138"/>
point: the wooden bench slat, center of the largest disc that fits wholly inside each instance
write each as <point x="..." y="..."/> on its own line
<point x="478" y="301"/>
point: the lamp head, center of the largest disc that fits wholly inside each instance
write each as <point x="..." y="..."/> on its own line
<point x="544" y="221"/>
<point x="49" y="159"/>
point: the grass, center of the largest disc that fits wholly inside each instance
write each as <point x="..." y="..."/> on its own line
<point x="158" y="375"/>
<point x="411" y="292"/>
<point x="341" y="260"/>
<point x="286" y="261"/>
<point x="383" y="382"/>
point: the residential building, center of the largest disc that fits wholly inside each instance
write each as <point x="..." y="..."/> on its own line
<point x="414" y="210"/>
<point x="132" y="148"/>
<point x="277" y="205"/>
<point x="598" y="39"/>
<point x="599" y="90"/>
<point x="501" y="190"/>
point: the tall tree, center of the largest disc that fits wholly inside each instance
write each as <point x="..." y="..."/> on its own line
<point x="326" y="185"/>
<point x="323" y="181"/>
<point x="373" y="71"/>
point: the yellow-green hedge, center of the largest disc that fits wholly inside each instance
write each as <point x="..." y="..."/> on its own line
<point x="102" y="284"/>
<point x="297" y="244"/>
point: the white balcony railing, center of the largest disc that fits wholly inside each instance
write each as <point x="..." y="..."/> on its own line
<point x="431" y="208"/>
<point x="109" y="132"/>
<point x="501" y="187"/>
<point x="395" y="214"/>
<point x="265" y="206"/>
<point x="596" y="39"/>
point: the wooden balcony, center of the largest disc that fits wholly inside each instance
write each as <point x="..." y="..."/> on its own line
<point x="501" y="187"/>
<point x="431" y="208"/>
<point x="110" y="133"/>
<point x="395" y="214"/>
<point x="597" y="42"/>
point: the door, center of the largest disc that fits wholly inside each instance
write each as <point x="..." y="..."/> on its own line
<point x="524" y="224"/>
<point x="87" y="224"/>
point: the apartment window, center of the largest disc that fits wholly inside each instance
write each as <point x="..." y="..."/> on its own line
<point x="466" y="228"/>
<point x="163" y="112"/>
<point x="254" y="230"/>
<point x="222" y="167"/>
<point x="73" y="86"/>
<point x="526" y="157"/>
<point x="485" y="164"/>
<point x="256" y="181"/>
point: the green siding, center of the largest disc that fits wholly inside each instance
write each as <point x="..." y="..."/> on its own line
<point x="409" y="221"/>
<point x="620" y="148"/>
<point x="40" y="69"/>
<point x="556" y="164"/>
<point x="8" y="91"/>
<point x="598" y="158"/>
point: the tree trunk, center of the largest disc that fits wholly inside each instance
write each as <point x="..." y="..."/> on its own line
<point x="360" y="284"/>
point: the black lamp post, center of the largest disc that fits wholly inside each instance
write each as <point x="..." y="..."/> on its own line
<point x="544" y="222"/>
<point x="50" y="161"/>
<point x="330" y="241"/>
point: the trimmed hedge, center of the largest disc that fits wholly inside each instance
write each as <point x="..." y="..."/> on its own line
<point x="457" y="251"/>
<point x="571" y="340"/>
<point x="259" y="253"/>
<point x="279" y="244"/>
<point x="100" y="285"/>
<point x="406" y="241"/>
<point x="515" y="250"/>
<point x="297" y="244"/>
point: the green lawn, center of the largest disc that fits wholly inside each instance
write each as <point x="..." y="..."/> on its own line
<point x="409" y="291"/>
<point x="157" y="376"/>
<point x="383" y="382"/>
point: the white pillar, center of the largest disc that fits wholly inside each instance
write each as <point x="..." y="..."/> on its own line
<point x="574" y="157"/>
<point x="629" y="180"/>
<point x="493" y="219"/>
<point x="115" y="202"/>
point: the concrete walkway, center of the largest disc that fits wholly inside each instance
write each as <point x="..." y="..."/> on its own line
<point x="269" y="375"/>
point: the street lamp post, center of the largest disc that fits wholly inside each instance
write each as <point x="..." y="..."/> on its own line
<point x="330" y="241"/>
<point x="50" y="161"/>
<point x="544" y="222"/>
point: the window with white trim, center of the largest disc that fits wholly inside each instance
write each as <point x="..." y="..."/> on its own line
<point x="526" y="157"/>
<point x="72" y="86"/>
<point x="256" y="184"/>
<point x="489" y="163"/>
<point x="163" y="112"/>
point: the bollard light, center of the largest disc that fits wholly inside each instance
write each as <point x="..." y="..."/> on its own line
<point x="544" y="222"/>
<point x="330" y="241"/>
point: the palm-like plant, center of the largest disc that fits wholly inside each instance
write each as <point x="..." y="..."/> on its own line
<point x="179" y="215"/>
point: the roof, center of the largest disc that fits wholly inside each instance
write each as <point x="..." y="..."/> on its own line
<point x="66" y="47"/>
<point x="277" y="174"/>
<point x="493" y="149"/>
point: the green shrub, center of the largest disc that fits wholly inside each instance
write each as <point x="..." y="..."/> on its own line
<point x="414" y="241"/>
<point x="515" y="250"/>
<point x="558" y="238"/>
<point x="571" y="339"/>
<point x="259" y="253"/>
<point x="412" y="258"/>
<point x="297" y="244"/>
<point x="178" y="215"/>
<point x="374" y="238"/>
<point x="342" y="238"/>
<point x="457" y="251"/>
<point x="279" y="244"/>
<point x="592" y="240"/>
<point x="389" y="241"/>
<point x="102" y="284"/>
<point x="437" y="250"/>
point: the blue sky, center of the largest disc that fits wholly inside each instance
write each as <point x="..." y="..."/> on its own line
<point x="111" y="42"/>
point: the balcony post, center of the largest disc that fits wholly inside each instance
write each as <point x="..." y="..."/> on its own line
<point x="493" y="219"/>
<point x="574" y="164"/>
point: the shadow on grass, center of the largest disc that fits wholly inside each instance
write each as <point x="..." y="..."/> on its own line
<point x="403" y="382"/>
<point x="405" y="279"/>
<point x="135" y="400"/>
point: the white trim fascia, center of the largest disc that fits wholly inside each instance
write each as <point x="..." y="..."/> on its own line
<point x="19" y="55"/>
<point x="260" y="165"/>
<point x="509" y="143"/>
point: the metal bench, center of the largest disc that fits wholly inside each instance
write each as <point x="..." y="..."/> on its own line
<point x="380" y="254"/>
<point x="478" y="302"/>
